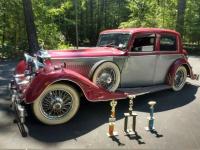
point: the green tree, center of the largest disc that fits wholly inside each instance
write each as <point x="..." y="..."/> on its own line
<point x="55" y="20"/>
<point x="192" y="22"/>
<point x="143" y="14"/>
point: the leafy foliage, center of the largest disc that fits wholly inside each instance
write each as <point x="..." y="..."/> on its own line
<point x="151" y="13"/>
<point x="55" y="20"/>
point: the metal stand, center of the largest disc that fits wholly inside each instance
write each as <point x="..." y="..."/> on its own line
<point x="151" y="119"/>
<point x="112" y="119"/>
<point x="130" y="131"/>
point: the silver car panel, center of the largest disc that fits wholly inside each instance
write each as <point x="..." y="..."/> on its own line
<point x="163" y="64"/>
<point x="83" y="65"/>
<point x="142" y="70"/>
<point x="138" y="71"/>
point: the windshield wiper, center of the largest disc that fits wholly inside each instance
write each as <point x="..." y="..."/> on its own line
<point x="112" y="45"/>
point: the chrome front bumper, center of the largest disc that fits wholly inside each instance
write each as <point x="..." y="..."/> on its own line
<point x="18" y="107"/>
<point x="16" y="102"/>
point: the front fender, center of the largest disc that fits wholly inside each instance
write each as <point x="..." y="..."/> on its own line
<point x="21" y="67"/>
<point x="91" y="91"/>
<point x="172" y="70"/>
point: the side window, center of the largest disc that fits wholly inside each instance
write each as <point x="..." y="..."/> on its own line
<point x="144" y="43"/>
<point x="168" y="43"/>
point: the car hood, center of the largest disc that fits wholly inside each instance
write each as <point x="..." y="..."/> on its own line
<point x="86" y="52"/>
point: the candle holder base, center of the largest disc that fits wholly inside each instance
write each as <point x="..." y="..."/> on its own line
<point x="150" y="129"/>
<point x="115" y="133"/>
<point x="130" y="132"/>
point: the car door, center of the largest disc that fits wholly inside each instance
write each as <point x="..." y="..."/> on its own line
<point x="168" y="46"/>
<point x="140" y="65"/>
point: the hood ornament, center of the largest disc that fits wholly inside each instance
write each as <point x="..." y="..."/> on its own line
<point x="42" y="53"/>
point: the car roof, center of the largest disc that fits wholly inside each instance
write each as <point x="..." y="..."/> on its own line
<point x="136" y="30"/>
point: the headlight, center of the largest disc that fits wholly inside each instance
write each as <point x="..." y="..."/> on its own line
<point x="28" y="58"/>
<point x="33" y="64"/>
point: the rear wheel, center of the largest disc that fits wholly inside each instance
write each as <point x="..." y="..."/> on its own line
<point x="179" y="78"/>
<point x="57" y="104"/>
<point x="107" y="76"/>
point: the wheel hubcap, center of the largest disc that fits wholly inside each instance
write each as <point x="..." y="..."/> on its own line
<point x="109" y="80"/>
<point x="179" y="78"/>
<point x="106" y="78"/>
<point x="56" y="104"/>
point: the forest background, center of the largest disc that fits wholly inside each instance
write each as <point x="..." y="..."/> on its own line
<point x="55" y="21"/>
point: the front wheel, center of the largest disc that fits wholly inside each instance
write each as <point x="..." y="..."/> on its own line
<point x="179" y="78"/>
<point x="57" y="104"/>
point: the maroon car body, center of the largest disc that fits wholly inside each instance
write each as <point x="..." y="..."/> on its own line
<point x="139" y="47"/>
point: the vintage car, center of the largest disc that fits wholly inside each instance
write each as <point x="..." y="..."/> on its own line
<point x="125" y="61"/>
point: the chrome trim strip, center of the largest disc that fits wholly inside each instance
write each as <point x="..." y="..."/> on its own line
<point x="18" y="75"/>
<point x="69" y="58"/>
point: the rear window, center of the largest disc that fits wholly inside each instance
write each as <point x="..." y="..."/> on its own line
<point x="168" y="43"/>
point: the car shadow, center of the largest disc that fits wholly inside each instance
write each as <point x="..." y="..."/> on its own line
<point x="92" y="115"/>
<point x="166" y="100"/>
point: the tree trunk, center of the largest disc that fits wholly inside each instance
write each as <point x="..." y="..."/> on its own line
<point x="98" y="17"/>
<point x="105" y="12"/>
<point x="91" y="16"/>
<point x="180" y="16"/>
<point x="119" y="12"/>
<point x="102" y="14"/>
<point x="3" y="30"/>
<point x="3" y="24"/>
<point x="30" y="26"/>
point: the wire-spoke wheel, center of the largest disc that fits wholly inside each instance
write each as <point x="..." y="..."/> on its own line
<point x="179" y="78"/>
<point x="107" y="76"/>
<point x="57" y="104"/>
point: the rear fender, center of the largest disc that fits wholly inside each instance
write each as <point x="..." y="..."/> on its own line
<point x="91" y="91"/>
<point x="179" y="62"/>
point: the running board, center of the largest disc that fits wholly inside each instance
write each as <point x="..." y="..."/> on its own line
<point x="143" y="90"/>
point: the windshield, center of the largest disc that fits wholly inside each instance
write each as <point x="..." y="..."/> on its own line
<point x="117" y="40"/>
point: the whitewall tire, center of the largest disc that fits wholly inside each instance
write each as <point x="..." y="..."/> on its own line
<point x="57" y="104"/>
<point x="107" y="76"/>
<point x="179" y="79"/>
